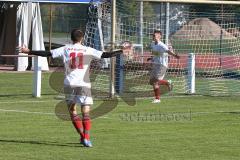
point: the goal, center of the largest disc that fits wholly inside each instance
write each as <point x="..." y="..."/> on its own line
<point x="207" y="41"/>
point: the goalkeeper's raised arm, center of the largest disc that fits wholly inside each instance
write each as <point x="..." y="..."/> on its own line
<point x="173" y="54"/>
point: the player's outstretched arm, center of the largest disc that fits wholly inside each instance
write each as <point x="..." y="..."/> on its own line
<point x="112" y="53"/>
<point x="173" y="54"/>
<point x="37" y="53"/>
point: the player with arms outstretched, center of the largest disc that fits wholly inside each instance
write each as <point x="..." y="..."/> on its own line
<point x="160" y="53"/>
<point x="77" y="86"/>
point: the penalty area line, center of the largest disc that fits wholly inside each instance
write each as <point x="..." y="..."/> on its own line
<point x="106" y="117"/>
<point x="12" y="102"/>
<point x="97" y="99"/>
<point x="28" y="112"/>
<point x="41" y="113"/>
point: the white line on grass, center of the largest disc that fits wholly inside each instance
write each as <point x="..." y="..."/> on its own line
<point x="46" y="113"/>
<point x="29" y="112"/>
<point x="41" y="113"/>
<point x="164" y="97"/>
<point x="11" y="102"/>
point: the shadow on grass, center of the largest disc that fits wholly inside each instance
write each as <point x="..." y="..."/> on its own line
<point x="46" y="143"/>
<point x="233" y="112"/>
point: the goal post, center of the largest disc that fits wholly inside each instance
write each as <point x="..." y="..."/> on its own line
<point x="191" y="73"/>
<point x="37" y="78"/>
<point x="113" y="40"/>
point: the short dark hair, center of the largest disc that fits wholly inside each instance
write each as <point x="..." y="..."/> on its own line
<point x="76" y="35"/>
<point x="157" y="31"/>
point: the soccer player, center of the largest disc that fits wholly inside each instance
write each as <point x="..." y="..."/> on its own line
<point x="160" y="53"/>
<point x="77" y="86"/>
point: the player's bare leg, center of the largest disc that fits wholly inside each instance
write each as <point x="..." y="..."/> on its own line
<point x="76" y="120"/>
<point x="86" y="125"/>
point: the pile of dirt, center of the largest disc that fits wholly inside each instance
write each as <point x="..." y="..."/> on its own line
<point x="202" y="29"/>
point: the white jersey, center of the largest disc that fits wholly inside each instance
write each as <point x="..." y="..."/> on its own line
<point x="159" y="51"/>
<point x="77" y="59"/>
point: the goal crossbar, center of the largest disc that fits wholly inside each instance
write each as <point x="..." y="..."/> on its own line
<point x="194" y="1"/>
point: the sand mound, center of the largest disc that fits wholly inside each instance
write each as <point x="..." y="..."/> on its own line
<point x="201" y="28"/>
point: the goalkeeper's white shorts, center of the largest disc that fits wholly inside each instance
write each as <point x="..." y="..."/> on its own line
<point x="157" y="73"/>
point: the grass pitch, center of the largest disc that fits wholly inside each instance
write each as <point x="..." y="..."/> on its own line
<point x="187" y="128"/>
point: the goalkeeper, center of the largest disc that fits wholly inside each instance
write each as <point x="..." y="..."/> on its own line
<point x="160" y="53"/>
<point x="77" y="86"/>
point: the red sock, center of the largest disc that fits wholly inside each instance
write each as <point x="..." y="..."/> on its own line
<point x="86" y="126"/>
<point x="157" y="93"/>
<point x="77" y="123"/>
<point x="163" y="82"/>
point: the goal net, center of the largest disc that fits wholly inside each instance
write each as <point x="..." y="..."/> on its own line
<point x="211" y="34"/>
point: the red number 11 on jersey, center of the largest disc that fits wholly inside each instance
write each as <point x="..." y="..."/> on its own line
<point x="76" y="60"/>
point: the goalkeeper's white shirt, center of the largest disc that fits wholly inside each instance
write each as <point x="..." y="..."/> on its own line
<point x="159" y="51"/>
<point x="77" y="59"/>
